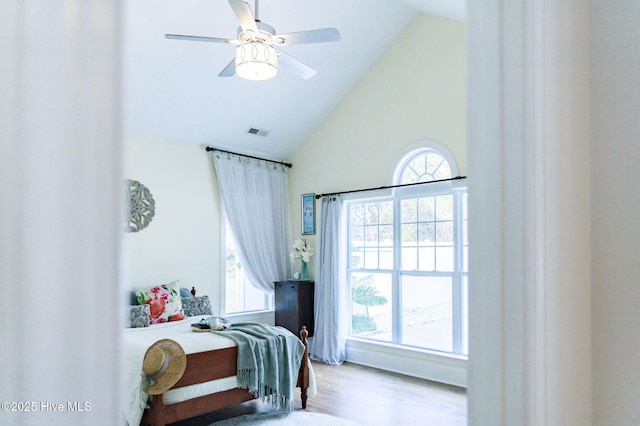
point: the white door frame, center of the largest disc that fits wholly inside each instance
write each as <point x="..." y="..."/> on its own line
<point x="530" y="361"/>
<point x="60" y="217"/>
<point x="529" y="220"/>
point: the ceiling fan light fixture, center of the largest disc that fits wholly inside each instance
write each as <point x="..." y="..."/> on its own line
<point x="256" y="60"/>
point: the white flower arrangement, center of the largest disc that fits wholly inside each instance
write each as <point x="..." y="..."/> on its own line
<point x="301" y="250"/>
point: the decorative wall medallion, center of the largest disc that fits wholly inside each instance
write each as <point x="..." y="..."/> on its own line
<point x="142" y="206"/>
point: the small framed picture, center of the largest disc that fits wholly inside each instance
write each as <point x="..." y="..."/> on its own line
<point x="308" y="214"/>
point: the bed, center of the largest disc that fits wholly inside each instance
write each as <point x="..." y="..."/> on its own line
<point x="209" y="382"/>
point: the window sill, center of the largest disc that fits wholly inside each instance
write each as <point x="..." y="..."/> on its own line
<point x="430" y="365"/>
<point x="265" y="316"/>
<point x="396" y="349"/>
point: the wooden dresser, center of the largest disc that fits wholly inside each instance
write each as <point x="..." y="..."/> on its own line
<point x="294" y="305"/>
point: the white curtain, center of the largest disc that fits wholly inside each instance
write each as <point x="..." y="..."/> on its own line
<point x="254" y="197"/>
<point x="331" y="290"/>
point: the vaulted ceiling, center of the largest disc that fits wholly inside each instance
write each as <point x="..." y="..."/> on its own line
<point x="172" y="89"/>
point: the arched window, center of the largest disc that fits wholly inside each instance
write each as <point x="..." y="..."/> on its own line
<point x="408" y="257"/>
<point x="424" y="165"/>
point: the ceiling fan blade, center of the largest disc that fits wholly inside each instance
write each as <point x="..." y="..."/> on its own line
<point x="323" y="35"/>
<point x="229" y="70"/>
<point x="244" y="15"/>
<point x="296" y="66"/>
<point x="199" y="38"/>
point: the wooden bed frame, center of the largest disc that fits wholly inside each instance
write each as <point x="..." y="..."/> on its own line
<point x="211" y="365"/>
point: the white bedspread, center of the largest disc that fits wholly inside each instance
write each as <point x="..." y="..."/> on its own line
<point x="136" y="343"/>
<point x="138" y="340"/>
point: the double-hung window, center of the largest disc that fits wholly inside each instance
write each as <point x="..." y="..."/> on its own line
<point x="408" y="259"/>
<point x="240" y="295"/>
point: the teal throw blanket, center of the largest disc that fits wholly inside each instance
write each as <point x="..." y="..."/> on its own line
<point x="268" y="361"/>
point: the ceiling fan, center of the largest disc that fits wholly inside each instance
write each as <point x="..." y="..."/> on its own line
<point x="256" y="56"/>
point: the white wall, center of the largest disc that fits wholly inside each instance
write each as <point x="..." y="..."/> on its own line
<point x="417" y="91"/>
<point x="615" y="179"/>
<point x="182" y="242"/>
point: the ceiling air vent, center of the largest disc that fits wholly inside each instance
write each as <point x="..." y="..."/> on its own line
<point x="257" y="132"/>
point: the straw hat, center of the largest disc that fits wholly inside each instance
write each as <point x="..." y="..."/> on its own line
<point x="164" y="364"/>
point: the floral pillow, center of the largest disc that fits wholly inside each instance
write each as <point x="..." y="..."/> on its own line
<point x="164" y="302"/>
<point x="194" y="306"/>
<point x="137" y="316"/>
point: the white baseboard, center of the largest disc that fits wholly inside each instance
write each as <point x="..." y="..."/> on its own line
<point x="428" y="365"/>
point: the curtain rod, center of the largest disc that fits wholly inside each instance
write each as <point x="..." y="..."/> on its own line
<point x="209" y="148"/>
<point x="390" y="186"/>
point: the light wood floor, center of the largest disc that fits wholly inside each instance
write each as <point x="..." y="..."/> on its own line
<point x="369" y="397"/>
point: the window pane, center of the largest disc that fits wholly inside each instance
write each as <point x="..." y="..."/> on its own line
<point x="440" y="170"/>
<point x="444" y="259"/>
<point x="386" y="213"/>
<point x="357" y="257"/>
<point x="427" y="316"/>
<point x="371" y="258"/>
<point x="409" y="234"/>
<point x="426" y="209"/>
<point x="386" y="235"/>
<point x="434" y="162"/>
<point x="409" y="246"/>
<point x="465" y="315"/>
<point x="427" y="259"/>
<point x="371" y="235"/>
<point x="409" y="258"/>
<point x="444" y="207"/>
<point x="356" y="214"/>
<point x="444" y="232"/>
<point x="408" y="210"/>
<point x="426" y="234"/>
<point x="419" y="164"/>
<point x="371" y="214"/>
<point x="371" y="305"/>
<point x="357" y="234"/>
<point x="386" y="257"/>
<point x="240" y="294"/>
<point x="465" y="234"/>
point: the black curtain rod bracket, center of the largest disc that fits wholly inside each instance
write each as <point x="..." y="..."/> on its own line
<point x="318" y="196"/>
<point x="209" y="148"/>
